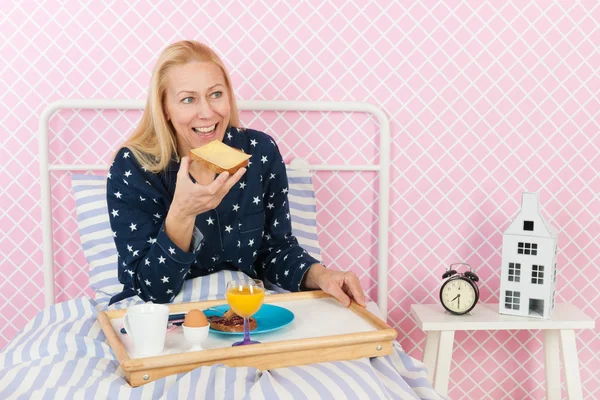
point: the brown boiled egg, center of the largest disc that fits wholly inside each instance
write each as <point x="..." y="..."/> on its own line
<point x="195" y="319"/>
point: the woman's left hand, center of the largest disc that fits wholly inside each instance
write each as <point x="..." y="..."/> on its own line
<point x="341" y="285"/>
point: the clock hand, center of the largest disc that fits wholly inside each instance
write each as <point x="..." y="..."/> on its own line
<point x="457" y="296"/>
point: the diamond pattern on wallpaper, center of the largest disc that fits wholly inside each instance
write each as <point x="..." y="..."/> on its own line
<point x="486" y="99"/>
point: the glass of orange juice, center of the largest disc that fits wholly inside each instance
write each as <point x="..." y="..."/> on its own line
<point x="245" y="297"/>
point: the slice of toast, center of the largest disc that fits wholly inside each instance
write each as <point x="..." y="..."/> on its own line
<point x="219" y="157"/>
<point x="233" y="324"/>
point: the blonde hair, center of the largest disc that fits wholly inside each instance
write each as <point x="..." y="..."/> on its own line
<point x="153" y="142"/>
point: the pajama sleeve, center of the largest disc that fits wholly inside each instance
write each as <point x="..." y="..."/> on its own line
<point x="150" y="263"/>
<point x="284" y="261"/>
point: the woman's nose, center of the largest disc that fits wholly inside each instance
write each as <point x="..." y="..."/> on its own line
<point x="204" y="109"/>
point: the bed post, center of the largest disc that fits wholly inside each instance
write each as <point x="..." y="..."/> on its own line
<point x="250" y="105"/>
<point x="48" y="250"/>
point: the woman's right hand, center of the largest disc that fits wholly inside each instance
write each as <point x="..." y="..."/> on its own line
<point x="191" y="199"/>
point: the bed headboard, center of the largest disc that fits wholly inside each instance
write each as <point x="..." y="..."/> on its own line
<point x="383" y="169"/>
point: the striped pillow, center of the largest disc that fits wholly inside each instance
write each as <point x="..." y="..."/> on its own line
<point x="95" y="233"/>
<point x="303" y="210"/>
<point x="97" y="237"/>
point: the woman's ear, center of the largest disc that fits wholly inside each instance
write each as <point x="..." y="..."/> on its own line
<point x="165" y="111"/>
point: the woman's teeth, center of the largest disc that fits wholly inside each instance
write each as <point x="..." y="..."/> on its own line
<point x="208" y="129"/>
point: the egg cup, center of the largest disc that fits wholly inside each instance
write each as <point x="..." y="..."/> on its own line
<point x="196" y="336"/>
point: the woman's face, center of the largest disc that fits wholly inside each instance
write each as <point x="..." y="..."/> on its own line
<point x="197" y="104"/>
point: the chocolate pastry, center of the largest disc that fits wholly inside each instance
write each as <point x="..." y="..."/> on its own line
<point x="230" y="322"/>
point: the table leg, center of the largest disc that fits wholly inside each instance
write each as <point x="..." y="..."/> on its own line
<point x="552" y="364"/>
<point x="442" y="369"/>
<point x="430" y="353"/>
<point x="568" y="350"/>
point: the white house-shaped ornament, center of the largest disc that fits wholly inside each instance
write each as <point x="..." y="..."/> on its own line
<point x="529" y="250"/>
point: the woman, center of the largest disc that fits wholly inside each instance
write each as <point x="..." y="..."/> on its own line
<point x="173" y="220"/>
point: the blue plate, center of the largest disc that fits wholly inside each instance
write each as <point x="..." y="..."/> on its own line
<point x="269" y="318"/>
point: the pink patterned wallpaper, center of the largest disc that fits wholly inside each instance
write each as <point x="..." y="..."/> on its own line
<point x="486" y="99"/>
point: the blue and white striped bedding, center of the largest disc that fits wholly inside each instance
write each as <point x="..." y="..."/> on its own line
<point x="63" y="354"/>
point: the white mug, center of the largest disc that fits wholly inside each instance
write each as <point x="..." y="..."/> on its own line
<point x="146" y="325"/>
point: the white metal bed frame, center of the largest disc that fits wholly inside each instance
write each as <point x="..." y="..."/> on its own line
<point x="244" y="105"/>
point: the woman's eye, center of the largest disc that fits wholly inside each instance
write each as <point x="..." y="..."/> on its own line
<point x="187" y="100"/>
<point x="216" y="95"/>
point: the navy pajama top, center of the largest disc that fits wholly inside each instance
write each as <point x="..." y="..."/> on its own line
<point x="249" y="231"/>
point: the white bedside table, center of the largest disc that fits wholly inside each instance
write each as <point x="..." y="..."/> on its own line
<point x="559" y="339"/>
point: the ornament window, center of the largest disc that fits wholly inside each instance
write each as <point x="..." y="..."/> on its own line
<point x="537" y="274"/>
<point x="514" y="272"/>
<point x="512" y="300"/>
<point x="527" y="248"/>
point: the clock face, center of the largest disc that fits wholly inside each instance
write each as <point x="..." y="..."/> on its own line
<point x="458" y="295"/>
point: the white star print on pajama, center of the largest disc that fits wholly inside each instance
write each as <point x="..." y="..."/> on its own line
<point x="243" y="233"/>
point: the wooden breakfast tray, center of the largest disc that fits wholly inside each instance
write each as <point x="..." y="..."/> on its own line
<point x="322" y="330"/>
